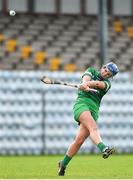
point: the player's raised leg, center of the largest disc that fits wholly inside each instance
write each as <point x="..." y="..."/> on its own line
<point x="82" y="134"/>
<point x="87" y="120"/>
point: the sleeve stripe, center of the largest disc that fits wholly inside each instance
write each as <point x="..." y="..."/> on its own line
<point x="87" y="73"/>
<point x="107" y="85"/>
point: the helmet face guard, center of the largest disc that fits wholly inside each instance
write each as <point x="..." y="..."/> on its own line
<point x="112" y="67"/>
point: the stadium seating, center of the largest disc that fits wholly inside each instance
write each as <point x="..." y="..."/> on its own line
<point x="130" y="32"/>
<point x="36" y="118"/>
<point x="70" y="67"/>
<point x="1" y="38"/>
<point x="25" y="52"/>
<point x="40" y="57"/>
<point x="118" y="26"/>
<point x="11" y="45"/>
<point x="73" y="39"/>
<point x="54" y="64"/>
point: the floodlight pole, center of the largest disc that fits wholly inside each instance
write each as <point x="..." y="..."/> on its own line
<point x="103" y="31"/>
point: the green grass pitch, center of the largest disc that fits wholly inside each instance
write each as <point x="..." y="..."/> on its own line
<point x="81" y="167"/>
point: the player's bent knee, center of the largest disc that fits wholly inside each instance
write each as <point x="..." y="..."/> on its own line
<point x="93" y="129"/>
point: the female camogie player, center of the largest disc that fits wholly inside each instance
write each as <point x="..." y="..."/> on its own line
<point x="86" y="110"/>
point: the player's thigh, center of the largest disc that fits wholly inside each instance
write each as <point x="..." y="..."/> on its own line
<point x="82" y="134"/>
<point x="87" y="120"/>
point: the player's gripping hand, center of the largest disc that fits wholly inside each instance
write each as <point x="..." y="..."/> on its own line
<point x="84" y="86"/>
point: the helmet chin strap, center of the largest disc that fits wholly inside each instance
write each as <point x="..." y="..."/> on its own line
<point x="101" y="78"/>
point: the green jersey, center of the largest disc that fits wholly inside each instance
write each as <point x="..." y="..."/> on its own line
<point x="95" y="96"/>
<point x="90" y="100"/>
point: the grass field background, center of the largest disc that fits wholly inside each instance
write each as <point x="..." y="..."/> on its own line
<point x="81" y="167"/>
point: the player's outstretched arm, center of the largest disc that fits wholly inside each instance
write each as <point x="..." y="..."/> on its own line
<point x="96" y="84"/>
<point x="87" y="83"/>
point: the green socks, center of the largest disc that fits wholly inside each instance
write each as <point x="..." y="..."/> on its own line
<point x="66" y="160"/>
<point x="101" y="146"/>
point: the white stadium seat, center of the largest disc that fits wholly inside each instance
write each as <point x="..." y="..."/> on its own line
<point x="36" y="118"/>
